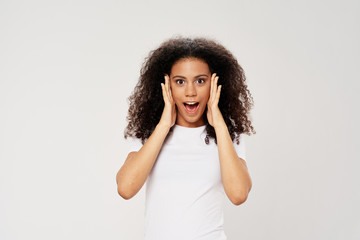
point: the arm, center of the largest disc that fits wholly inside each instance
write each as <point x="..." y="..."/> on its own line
<point x="235" y="176"/>
<point x="137" y="166"/>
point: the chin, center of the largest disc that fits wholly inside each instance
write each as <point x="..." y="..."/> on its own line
<point x="194" y="120"/>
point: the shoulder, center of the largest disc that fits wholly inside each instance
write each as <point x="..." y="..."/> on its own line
<point x="134" y="144"/>
<point x="240" y="148"/>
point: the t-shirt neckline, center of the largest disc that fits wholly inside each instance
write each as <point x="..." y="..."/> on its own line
<point x="182" y="127"/>
<point x="189" y="130"/>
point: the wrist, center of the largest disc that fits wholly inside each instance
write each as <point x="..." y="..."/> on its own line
<point x="220" y="126"/>
<point x="163" y="127"/>
<point x="219" y="123"/>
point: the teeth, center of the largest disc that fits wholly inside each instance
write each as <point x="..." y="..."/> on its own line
<point x="193" y="103"/>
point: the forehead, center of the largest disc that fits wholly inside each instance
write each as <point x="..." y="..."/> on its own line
<point x="189" y="66"/>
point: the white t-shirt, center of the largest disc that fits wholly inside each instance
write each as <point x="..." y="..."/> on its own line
<point x="184" y="191"/>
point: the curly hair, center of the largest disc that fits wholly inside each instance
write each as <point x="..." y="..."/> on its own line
<point x="146" y="101"/>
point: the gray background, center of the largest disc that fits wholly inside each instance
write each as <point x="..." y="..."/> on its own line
<point x="67" y="68"/>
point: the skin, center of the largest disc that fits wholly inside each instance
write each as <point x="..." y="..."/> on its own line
<point x="183" y="85"/>
<point x="190" y="81"/>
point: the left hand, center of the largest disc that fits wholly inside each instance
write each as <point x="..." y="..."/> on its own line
<point x="214" y="115"/>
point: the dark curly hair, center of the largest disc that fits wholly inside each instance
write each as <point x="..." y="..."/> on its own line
<point x="146" y="101"/>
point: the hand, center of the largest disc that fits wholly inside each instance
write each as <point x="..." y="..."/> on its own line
<point x="214" y="115"/>
<point x="168" y="116"/>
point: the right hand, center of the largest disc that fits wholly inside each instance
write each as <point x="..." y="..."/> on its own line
<point x="168" y="116"/>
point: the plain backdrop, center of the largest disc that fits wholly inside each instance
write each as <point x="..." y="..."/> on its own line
<point x="68" y="67"/>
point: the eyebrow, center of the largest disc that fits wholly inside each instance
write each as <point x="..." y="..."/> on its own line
<point x="200" y="75"/>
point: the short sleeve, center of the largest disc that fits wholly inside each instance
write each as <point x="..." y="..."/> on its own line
<point x="134" y="144"/>
<point x="240" y="148"/>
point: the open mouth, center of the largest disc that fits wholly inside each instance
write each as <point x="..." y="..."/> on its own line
<point x="191" y="107"/>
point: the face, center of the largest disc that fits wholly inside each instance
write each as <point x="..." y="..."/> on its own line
<point x="190" y="81"/>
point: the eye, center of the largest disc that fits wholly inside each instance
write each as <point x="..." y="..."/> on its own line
<point x="200" y="80"/>
<point x="179" y="81"/>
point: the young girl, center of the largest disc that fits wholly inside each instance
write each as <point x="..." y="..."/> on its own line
<point x="187" y="117"/>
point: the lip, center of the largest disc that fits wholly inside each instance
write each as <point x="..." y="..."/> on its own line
<point x="193" y="111"/>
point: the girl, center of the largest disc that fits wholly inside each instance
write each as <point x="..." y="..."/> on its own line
<point x="186" y="119"/>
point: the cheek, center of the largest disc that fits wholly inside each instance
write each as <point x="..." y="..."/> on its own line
<point x="175" y="94"/>
<point x="205" y="94"/>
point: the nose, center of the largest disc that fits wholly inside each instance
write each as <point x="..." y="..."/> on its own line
<point x="190" y="90"/>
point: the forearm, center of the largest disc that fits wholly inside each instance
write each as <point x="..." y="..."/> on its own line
<point x="235" y="176"/>
<point x="133" y="174"/>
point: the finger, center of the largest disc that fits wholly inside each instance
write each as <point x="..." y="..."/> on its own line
<point x="168" y="87"/>
<point x="217" y="81"/>
<point x="218" y="94"/>
<point x="170" y="96"/>
<point x="212" y="86"/>
<point x="164" y="92"/>
<point x="209" y="101"/>
<point x="167" y="82"/>
<point x="168" y="91"/>
<point x="215" y="87"/>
